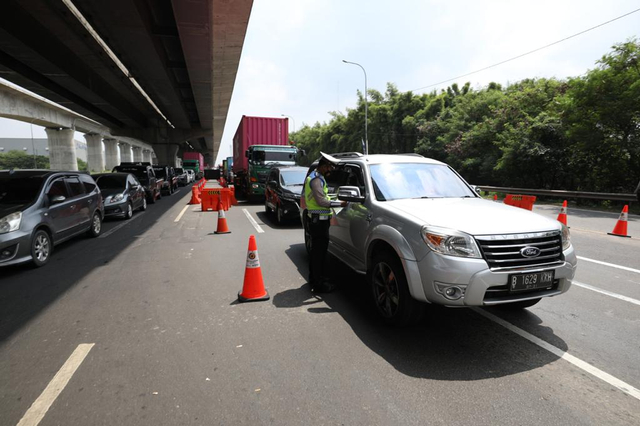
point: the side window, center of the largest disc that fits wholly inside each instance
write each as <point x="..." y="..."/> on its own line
<point x="75" y="187"/>
<point x="273" y="176"/>
<point x="132" y="181"/>
<point x="355" y="177"/>
<point x="57" y="189"/>
<point x="89" y="183"/>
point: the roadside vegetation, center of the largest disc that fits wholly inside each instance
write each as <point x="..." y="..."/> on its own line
<point x="580" y="133"/>
<point x="22" y="160"/>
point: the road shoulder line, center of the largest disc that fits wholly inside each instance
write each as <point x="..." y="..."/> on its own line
<point x="253" y="221"/>
<point x="181" y="213"/>
<point x="599" y="262"/>
<point x="607" y="293"/>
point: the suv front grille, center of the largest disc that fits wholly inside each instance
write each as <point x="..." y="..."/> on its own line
<point x="505" y="251"/>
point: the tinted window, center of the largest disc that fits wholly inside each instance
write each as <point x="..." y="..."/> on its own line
<point x="418" y="180"/>
<point x="111" y="182"/>
<point x="179" y="171"/>
<point x="75" y="187"/>
<point x="19" y="191"/>
<point x="140" y="172"/>
<point x="58" y="188"/>
<point x="89" y="183"/>
<point x="160" y="171"/>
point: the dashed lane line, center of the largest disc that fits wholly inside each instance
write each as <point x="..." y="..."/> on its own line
<point x="607" y="293"/>
<point x="613" y="265"/>
<point x="117" y="227"/>
<point x="577" y="362"/>
<point x="253" y="222"/>
<point x="181" y="213"/>
<point x="40" y="406"/>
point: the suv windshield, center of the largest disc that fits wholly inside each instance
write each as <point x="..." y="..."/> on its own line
<point x="393" y="181"/>
<point x="111" y="182"/>
<point x="138" y="172"/>
<point x="19" y="191"/>
<point x="293" y="178"/>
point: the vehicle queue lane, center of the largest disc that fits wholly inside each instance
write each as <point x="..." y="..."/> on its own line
<point x="172" y="345"/>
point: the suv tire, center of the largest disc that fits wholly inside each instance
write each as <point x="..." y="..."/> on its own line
<point x="96" y="225"/>
<point x="279" y="216"/>
<point x="129" y="213"/>
<point x="143" y="207"/>
<point x="41" y="248"/>
<point x="390" y="291"/>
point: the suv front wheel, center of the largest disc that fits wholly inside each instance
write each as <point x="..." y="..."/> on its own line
<point x="390" y="291"/>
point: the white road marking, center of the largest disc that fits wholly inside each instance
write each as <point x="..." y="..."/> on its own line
<point x="608" y="293"/>
<point x="599" y="262"/>
<point x="585" y="366"/>
<point x="40" y="406"/>
<point x="253" y="222"/>
<point x="117" y="227"/>
<point x="181" y="213"/>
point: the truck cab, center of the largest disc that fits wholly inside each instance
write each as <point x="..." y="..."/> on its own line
<point x="261" y="159"/>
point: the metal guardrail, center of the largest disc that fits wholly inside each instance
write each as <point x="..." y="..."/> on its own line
<point x="561" y="194"/>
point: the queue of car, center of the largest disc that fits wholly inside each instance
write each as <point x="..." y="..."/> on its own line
<point x="40" y="209"/>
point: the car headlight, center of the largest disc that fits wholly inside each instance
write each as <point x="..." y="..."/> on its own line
<point x="566" y="237"/>
<point x="10" y="223"/>
<point x="115" y="198"/>
<point x="449" y="242"/>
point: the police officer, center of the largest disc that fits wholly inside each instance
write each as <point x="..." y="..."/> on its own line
<point x="319" y="213"/>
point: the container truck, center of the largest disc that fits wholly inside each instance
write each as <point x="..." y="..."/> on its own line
<point x="259" y="144"/>
<point x="193" y="161"/>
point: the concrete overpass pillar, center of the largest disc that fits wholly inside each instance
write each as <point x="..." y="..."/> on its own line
<point x="166" y="154"/>
<point x="111" y="153"/>
<point x="125" y="152"/>
<point x="95" y="157"/>
<point x="146" y="156"/>
<point x="62" y="149"/>
<point x="137" y="153"/>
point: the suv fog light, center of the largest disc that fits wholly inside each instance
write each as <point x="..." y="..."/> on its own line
<point x="451" y="292"/>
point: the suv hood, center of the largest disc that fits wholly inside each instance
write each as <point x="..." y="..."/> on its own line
<point x="474" y="216"/>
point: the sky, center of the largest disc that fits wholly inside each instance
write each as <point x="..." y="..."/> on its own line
<point x="291" y="61"/>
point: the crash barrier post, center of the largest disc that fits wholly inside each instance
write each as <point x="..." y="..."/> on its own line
<point x="562" y="217"/>
<point x="620" y="230"/>
<point x="210" y="196"/>
<point x="522" y="201"/>
<point x="222" y="221"/>
<point x="253" y="287"/>
<point x="195" y="195"/>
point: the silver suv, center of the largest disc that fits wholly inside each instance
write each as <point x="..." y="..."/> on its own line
<point x="422" y="234"/>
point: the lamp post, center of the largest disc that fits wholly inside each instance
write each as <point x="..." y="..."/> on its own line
<point x="292" y="119"/>
<point x="366" y="108"/>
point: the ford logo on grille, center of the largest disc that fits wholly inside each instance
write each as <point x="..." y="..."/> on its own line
<point x="530" y="251"/>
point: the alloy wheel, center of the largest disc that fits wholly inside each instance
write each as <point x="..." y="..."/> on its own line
<point x="386" y="291"/>
<point x="41" y="248"/>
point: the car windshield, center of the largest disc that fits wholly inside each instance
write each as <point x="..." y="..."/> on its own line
<point x="19" y="191"/>
<point x="290" y="178"/>
<point x="393" y="181"/>
<point x="141" y="174"/>
<point x="111" y="182"/>
<point x="273" y="156"/>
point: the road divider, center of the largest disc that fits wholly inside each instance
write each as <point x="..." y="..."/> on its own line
<point x="607" y="293"/>
<point x="253" y="222"/>
<point x="584" y="366"/>
<point x="40" y="406"/>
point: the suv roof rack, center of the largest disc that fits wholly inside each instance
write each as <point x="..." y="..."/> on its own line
<point x="134" y="163"/>
<point x="412" y="154"/>
<point x="347" y="154"/>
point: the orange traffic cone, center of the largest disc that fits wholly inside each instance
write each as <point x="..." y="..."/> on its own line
<point x="222" y="221"/>
<point x="620" y="230"/>
<point x="253" y="288"/>
<point x="562" y="217"/>
<point x="195" y="195"/>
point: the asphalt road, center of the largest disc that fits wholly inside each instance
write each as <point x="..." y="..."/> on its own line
<point x="171" y="346"/>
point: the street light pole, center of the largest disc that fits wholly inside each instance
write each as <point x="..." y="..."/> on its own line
<point x="292" y="119"/>
<point x="366" y="108"/>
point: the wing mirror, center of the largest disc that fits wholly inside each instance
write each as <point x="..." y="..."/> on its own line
<point x="476" y="189"/>
<point x="272" y="184"/>
<point x="350" y="193"/>
<point x="57" y="199"/>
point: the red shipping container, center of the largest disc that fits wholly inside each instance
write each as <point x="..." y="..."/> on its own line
<point x="257" y="131"/>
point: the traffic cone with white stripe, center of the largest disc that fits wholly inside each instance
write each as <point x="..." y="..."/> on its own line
<point x="222" y="220"/>
<point x="253" y="288"/>
<point x="562" y="217"/>
<point x="620" y="230"/>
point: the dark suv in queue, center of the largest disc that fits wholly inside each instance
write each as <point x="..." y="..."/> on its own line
<point x="43" y="208"/>
<point x="146" y="176"/>
<point x="283" y="191"/>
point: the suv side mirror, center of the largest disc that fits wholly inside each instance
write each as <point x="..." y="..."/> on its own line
<point x="351" y="194"/>
<point x="57" y="199"/>
<point x="476" y="189"/>
<point x="272" y="184"/>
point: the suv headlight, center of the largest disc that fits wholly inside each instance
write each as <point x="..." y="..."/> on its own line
<point x="566" y="237"/>
<point x="10" y="223"/>
<point x="449" y="242"/>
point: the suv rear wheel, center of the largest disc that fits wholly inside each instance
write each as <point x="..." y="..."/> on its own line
<point x="96" y="225"/>
<point x="390" y="291"/>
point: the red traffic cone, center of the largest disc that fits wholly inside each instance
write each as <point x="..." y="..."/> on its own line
<point x="620" y="230"/>
<point x="253" y="288"/>
<point x="222" y="221"/>
<point x="195" y="195"/>
<point x="562" y="217"/>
